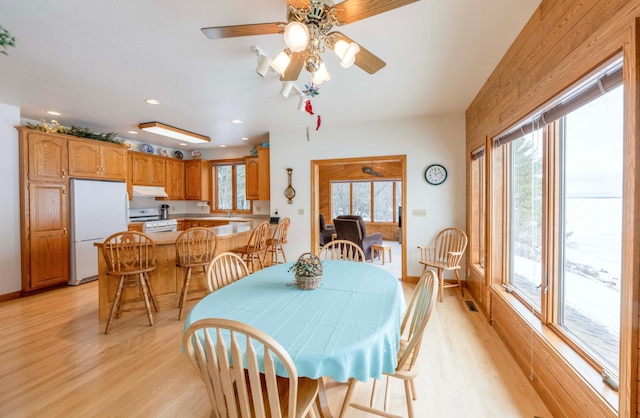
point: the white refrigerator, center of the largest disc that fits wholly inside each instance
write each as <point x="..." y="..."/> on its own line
<point x="98" y="210"/>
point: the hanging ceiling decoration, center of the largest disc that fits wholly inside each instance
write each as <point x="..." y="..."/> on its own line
<point x="308" y="31"/>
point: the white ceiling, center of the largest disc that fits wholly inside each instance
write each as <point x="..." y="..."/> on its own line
<point x="97" y="61"/>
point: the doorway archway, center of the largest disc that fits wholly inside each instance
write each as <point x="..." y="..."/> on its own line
<point x="380" y="165"/>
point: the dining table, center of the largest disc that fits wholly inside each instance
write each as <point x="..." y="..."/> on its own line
<point x="348" y="327"/>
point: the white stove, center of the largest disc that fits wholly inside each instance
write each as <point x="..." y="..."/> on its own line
<point x="151" y="220"/>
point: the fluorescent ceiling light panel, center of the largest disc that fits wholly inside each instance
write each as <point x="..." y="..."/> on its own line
<point x="172" y="132"/>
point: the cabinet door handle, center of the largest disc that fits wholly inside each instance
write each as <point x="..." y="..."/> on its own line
<point x="64" y="173"/>
<point x="64" y="230"/>
<point x="98" y="169"/>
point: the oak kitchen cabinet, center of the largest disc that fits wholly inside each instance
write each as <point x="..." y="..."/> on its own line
<point x="197" y="180"/>
<point x="147" y="170"/>
<point x="97" y="160"/>
<point x="47" y="157"/>
<point x="252" y="173"/>
<point x="257" y="172"/>
<point x="175" y="179"/>
<point x="44" y="205"/>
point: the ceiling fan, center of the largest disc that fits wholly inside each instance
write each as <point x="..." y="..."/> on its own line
<point x="307" y="32"/>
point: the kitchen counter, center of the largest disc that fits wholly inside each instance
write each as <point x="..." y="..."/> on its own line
<point x="167" y="278"/>
<point x="210" y="216"/>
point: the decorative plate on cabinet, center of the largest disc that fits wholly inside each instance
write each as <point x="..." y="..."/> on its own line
<point x="163" y="152"/>
<point x="178" y="154"/>
<point x="195" y="154"/>
<point x="147" y="148"/>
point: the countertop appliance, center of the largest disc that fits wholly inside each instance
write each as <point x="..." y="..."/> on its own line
<point x="164" y="212"/>
<point x="98" y="210"/>
<point x="151" y="222"/>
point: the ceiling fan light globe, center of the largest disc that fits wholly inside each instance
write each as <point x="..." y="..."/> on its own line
<point x="281" y="62"/>
<point x="296" y="36"/>
<point x="349" y="57"/>
<point x="321" y="75"/>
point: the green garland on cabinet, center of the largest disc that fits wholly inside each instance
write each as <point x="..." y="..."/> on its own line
<point x="79" y="132"/>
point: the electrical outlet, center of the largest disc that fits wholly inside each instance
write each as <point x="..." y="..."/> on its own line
<point x="300" y="211"/>
<point x="419" y="212"/>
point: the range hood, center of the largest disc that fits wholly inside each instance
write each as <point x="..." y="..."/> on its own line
<point x="149" y="191"/>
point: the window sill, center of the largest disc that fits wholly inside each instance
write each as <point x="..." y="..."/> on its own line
<point x="583" y="369"/>
<point x="477" y="269"/>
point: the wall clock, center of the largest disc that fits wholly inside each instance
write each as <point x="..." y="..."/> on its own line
<point x="435" y="174"/>
<point x="289" y="192"/>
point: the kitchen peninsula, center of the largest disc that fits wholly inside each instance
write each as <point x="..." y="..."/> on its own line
<point x="167" y="278"/>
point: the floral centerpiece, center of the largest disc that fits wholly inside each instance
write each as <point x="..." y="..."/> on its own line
<point x="308" y="271"/>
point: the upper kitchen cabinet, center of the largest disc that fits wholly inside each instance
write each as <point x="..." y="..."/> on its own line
<point x="198" y="180"/>
<point x="257" y="171"/>
<point x="147" y="170"/>
<point x="46" y="157"/>
<point x="253" y="178"/>
<point x="175" y="179"/>
<point x="97" y="160"/>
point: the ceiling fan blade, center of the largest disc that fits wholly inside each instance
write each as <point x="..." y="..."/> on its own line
<point x="350" y="11"/>
<point x="365" y="59"/>
<point x="295" y="66"/>
<point x="235" y="31"/>
<point x="298" y="4"/>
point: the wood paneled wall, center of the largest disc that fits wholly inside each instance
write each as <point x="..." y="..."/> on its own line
<point x="562" y="42"/>
<point x="350" y="171"/>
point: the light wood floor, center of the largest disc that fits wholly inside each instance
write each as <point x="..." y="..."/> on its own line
<point x="55" y="361"/>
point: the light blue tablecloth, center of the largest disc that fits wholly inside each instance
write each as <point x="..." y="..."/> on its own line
<point x="348" y="327"/>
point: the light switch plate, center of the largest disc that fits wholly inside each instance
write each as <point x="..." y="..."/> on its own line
<point x="419" y="212"/>
<point x="300" y="211"/>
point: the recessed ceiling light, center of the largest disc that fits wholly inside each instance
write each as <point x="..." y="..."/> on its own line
<point x="54" y="113"/>
<point x="153" y="101"/>
<point x="244" y="138"/>
<point x="183" y="144"/>
<point x="223" y="146"/>
<point x="133" y="132"/>
<point x="236" y="121"/>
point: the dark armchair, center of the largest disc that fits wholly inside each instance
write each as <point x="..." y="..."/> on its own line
<point x="352" y="228"/>
<point x="326" y="231"/>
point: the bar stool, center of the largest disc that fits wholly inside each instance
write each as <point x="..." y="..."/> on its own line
<point x="195" y="247"/>
<point x="130" y="255"/>
<point x="256" y="248"/>
<point x="274" y="244"/>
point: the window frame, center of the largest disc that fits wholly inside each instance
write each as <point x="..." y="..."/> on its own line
<point x="548" y="314"/>
<point x="396" y="184"/>
<point x="233" y="162"/>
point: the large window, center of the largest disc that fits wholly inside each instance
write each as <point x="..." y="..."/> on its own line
<point x="375" y="201"/>
<point x="478" y="207"/>
<point x="230" y="186"/>
<point x="562" y="233"/>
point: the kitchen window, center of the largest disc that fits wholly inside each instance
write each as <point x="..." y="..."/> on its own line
<point x="230" y="186"/>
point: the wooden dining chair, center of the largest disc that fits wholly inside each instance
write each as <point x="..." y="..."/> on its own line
<point x="279" y="238"/>
<point x="225" y="269"/>
<point x="256" y="248"/>
<point x="445" y="255"/>
<point x="195" y="248"/>
<point x="412" y="329"/>
<point x="246" y="372"/>
<point x="130" y="256"/>
<point x="342" y="250"/>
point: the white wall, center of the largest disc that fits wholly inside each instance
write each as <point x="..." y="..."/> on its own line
<point x="10" y="278"/>
<point x="423" y="140"/>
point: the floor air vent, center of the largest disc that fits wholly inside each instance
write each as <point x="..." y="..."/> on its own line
<point x="471" y="306"/>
